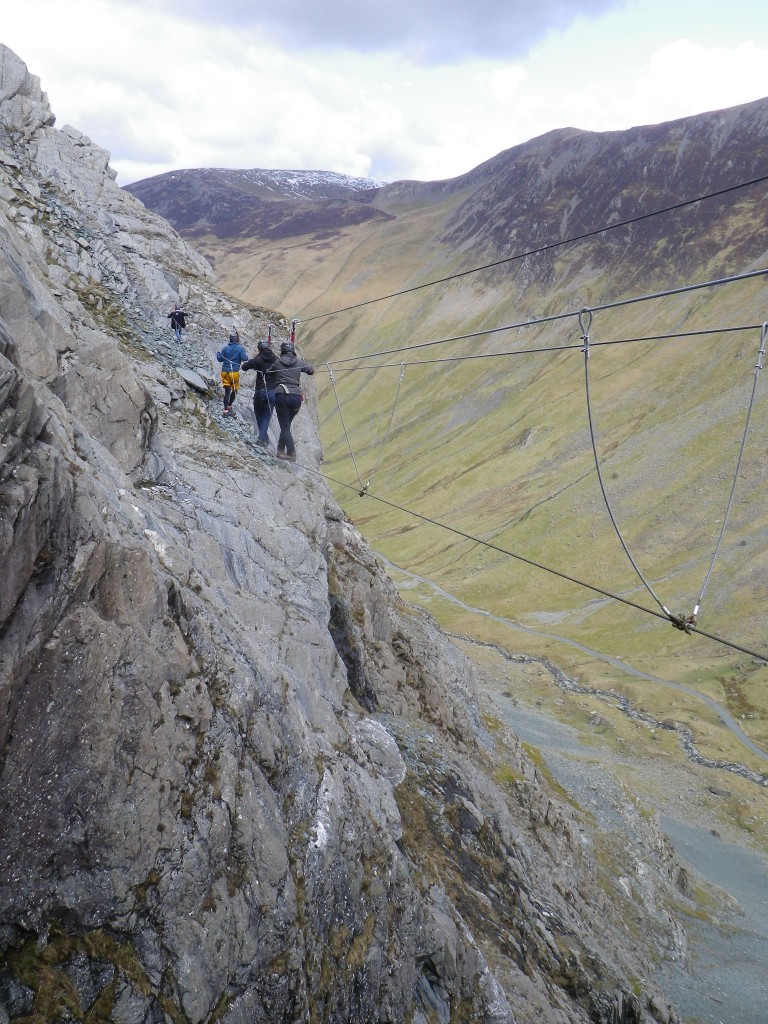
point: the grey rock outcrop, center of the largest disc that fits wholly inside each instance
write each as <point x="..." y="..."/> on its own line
<point x="240" y="780"/>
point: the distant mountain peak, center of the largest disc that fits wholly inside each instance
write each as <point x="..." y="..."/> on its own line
<point x="241" y="198"/>
<point x="266" y="183"/>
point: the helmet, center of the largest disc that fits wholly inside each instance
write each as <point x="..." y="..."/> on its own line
<point x="264" y="346"/>
<point x="286" y="346"/>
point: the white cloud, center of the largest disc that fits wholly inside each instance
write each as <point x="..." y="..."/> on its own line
<point x="161" y="92"/>
<point x="433" y="32"/>
<point x="689" y="75"/>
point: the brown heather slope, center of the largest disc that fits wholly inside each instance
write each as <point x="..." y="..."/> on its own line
<point x="499" y="447"/>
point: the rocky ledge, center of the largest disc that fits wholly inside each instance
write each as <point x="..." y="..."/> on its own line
<point x="240" y="780"/>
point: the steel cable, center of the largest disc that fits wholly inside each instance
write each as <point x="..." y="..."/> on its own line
<point x="539" y="565"/>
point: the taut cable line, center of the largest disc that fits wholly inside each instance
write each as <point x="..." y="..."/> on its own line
<point x="554" y="349"/>
<point x="535" y="322"/>
<point x="346" y="434"/>
<point x="758" y="368"/>
<point x="585" y="323"/>
<point x="545" y="248"/>
<point x="692" y="628"/>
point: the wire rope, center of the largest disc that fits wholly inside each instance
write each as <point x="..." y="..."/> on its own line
<point x="543" y="248"/>
<point x="386" y="434"/>
<point x="758" y="368"/>
<point x="548" y="348"/>
<point x="539" y="565"/>
<point x="537" y="321"/>
<point x="585" y="323"/>
<point x="341" y="417"/>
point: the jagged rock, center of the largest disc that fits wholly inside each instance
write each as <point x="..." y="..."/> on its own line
<point x="230" y="757"/>
<point x="194" y="380"/>
<point x="23" y="103"/>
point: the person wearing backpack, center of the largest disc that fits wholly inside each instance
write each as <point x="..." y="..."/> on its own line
<point x="264" y="391"/>
<point x="231" y="357"/>
<point x="288" y="396"/>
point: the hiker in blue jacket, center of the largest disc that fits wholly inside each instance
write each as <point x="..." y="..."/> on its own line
<point x="230" y="357"/>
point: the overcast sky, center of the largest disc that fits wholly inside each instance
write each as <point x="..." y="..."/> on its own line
<point x="423" y="89"/>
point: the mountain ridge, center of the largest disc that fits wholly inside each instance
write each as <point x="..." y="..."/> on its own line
<point x="247" y="199"/>
<point x="671" y="411"/>
<point x="204" y="819"/>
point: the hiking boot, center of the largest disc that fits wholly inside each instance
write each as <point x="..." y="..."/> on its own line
<point x="262" y="442"/>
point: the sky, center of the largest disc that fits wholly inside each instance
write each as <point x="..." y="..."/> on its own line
<point x="392" y="90"/>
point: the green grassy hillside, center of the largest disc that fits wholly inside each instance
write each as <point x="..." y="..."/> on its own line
<point x="499" y="448"/>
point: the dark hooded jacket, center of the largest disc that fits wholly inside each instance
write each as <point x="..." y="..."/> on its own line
<point x="288" y="371"/>
<point x="264" y="364"/>
<point x="177" y="317"/>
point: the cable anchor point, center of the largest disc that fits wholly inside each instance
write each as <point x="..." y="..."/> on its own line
<point x="685" y="623"/>
<point x="761" y="349"/>
<point x="364" y="490"/>
<point x="585" y="323"/>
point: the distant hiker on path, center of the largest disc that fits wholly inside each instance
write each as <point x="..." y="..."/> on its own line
<point x="288" y="396"/>
<point x="178" y="320"/>
<point x="264" y="392"/>
<point x="230" y="357"/>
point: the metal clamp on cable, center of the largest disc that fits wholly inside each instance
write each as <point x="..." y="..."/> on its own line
<point x="585" y="322"/>
<point x="364" y="490"/>
<point x="761" y="350"/>
<point x="685" y="623"/>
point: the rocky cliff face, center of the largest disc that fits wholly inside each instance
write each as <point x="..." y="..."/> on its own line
<point x="240" y="781"/>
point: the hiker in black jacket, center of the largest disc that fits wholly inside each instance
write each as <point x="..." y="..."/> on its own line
<point x="264" y="392"/>
<point x="178" y="319"/>
<point x="288" y="396"/>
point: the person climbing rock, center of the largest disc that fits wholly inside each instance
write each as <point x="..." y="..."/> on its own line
<point x="178" y="320"/>
<point x="231" y="357"/>
<point x="264" y="391"/>
<point x="288" y="396"/>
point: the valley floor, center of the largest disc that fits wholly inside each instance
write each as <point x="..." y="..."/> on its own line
<point x="726" y="979"/>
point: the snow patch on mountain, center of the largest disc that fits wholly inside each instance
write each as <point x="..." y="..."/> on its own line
<point x="293" y="184"/>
